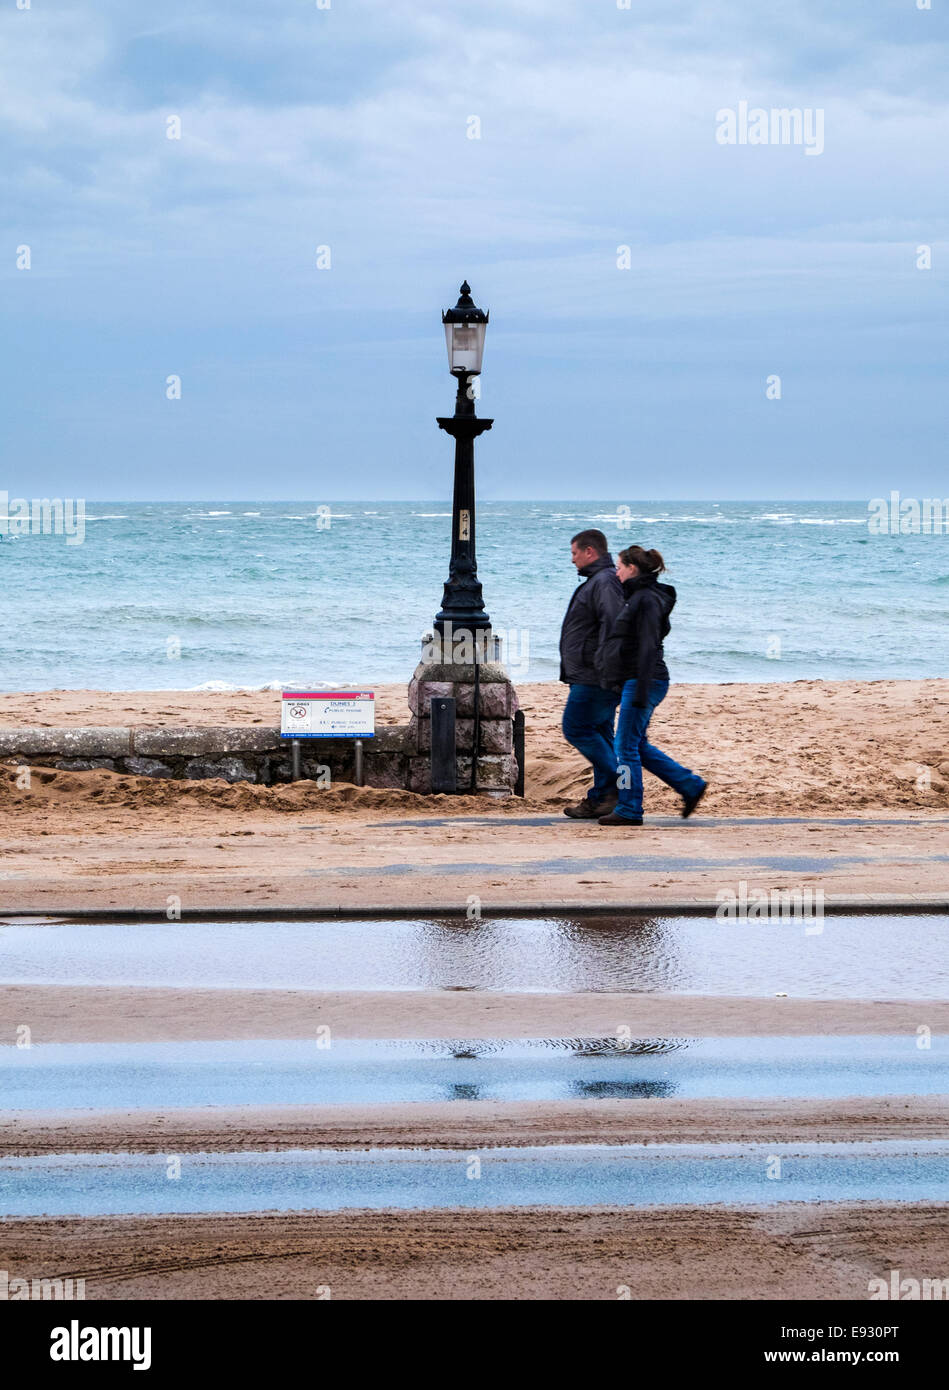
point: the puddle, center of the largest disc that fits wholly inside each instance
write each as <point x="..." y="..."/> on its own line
<point x="569" y="1175"/>
<point x="104" y="1076"/>
<point x="874" y="956"/>
<point x="666" y="822"/>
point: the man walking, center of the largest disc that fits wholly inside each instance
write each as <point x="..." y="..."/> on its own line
<point x="590" y="709"/>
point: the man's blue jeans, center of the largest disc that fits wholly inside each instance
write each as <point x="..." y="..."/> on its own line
<point x="634" y="752"/>
<point x="588" y="724"/>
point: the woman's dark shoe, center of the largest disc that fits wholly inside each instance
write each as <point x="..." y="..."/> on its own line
<point x="587" y="809"/>
<point x="621" y="820"/>
<point x="689" y="803"/>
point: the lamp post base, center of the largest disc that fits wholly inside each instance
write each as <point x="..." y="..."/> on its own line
<point x="496" y="773"/>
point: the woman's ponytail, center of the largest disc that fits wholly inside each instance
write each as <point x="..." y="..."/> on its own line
<point x="648" y="562"/>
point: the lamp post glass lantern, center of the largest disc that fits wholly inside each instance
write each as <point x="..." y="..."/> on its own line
<point x="462" y="611"/>
<point x="465" y="327"/>
<point x="465" y="346"/>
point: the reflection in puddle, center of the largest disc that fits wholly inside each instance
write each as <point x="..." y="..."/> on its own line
<point x="567" y="1175"/>
<point x="56" y="1076"/>
<point x="877" y="956"/>
<point x="464" y="1092"/>
<point x="622" y="1090"/>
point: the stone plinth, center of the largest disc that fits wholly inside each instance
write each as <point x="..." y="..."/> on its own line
<point x="497" y="767"/>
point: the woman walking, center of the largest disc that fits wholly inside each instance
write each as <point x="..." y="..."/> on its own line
<point x="633" y="663"/>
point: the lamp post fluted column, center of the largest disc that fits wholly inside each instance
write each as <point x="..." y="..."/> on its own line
<point x="462" y="609"/>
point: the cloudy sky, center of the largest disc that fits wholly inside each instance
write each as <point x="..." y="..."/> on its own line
<point x="349" y="128"/>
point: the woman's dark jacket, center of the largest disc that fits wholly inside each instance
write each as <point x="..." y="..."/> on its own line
<point x="633" y="649"/>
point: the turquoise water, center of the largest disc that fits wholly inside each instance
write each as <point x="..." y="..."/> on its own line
<point x="565" y="1175"/>
<point x="176" y="595"/>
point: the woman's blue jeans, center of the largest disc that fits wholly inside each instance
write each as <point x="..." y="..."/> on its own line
<point x="634" y="752"/>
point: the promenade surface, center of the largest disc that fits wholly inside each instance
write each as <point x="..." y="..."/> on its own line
<point x="362" y="862"/>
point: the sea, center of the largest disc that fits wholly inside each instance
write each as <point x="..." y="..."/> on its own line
<point x="227" y="595"/>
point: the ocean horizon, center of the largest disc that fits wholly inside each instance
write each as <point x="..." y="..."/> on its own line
<point x="242" y="594"/>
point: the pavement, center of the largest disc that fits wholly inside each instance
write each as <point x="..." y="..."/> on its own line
<point x="362" y="864"/>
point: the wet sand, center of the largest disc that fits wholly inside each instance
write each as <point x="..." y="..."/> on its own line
<point x="797" y="1251"/>
<point x="474" y="1125"/>
<point x="102" y="1014"/>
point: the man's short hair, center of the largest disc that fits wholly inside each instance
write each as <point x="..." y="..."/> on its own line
<point x="591" y="540"/>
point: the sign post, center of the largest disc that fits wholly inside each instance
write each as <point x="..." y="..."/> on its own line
<point x="327" y="714"/>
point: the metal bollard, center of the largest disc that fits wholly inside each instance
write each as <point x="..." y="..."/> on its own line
<point x="444" y="766"/>
<point x="360" y="775"/>
<point x="519" y="751"/>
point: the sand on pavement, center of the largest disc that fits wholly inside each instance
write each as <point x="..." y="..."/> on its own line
<point x="792" y="1251"/>
<point x="480" y="1125"/>
<point x="98" y="1013"/>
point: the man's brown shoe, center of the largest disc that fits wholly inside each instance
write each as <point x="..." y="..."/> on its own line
<point x="620" y="820"/>
<point x="590" y="810"/>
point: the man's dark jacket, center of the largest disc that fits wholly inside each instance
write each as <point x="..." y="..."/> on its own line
<point x="633" y="649"/>
<point x="589" y="617"/>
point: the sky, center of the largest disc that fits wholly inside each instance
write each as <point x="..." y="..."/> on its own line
<point x="343" y="164"/>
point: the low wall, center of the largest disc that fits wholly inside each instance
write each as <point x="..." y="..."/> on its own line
<point x="235" y="752"/>
<point x="398" y="756"/>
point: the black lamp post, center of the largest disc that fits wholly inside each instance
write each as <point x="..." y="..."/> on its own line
<point x="462" y="609"/>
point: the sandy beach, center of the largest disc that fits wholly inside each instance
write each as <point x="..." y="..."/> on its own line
<point x="842" y="785"/>
<point x="765" y="747"/>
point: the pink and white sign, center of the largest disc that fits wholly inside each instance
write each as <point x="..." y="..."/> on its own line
<point x="328" y="714"/>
